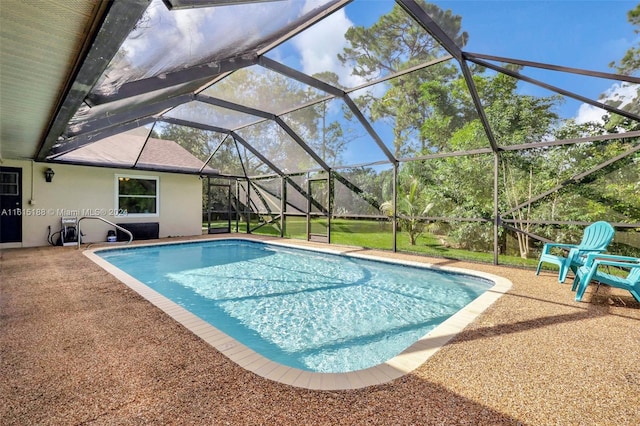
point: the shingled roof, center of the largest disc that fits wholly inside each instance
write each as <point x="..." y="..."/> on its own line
<point x="134" y="150"/>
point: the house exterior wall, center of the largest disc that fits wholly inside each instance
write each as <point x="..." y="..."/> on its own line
<point x="87" y="191"/>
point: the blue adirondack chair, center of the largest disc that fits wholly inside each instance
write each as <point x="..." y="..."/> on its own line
<point x="593" y="270"/>
<point x="595" y="239"/>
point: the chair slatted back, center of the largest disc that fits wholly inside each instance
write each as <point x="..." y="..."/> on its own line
<point x="597" y="236"/>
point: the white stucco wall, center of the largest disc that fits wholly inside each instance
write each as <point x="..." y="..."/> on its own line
<point x="82" y="191"/>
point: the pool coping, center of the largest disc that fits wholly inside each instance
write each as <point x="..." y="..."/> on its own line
<point x="402" y="364"/>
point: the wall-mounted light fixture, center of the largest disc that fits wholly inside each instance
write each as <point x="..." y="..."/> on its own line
<point x="48" y="174"/>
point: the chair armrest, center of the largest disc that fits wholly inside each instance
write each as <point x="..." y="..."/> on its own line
<point x="602" y="258"/>
<point x="548" y="246"/>
<point x="620" y="264"/>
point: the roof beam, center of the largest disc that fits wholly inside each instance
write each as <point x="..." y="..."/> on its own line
<point x="193" y="124"/>
<point x="273" y="167"/>
<point x="165" y="169"/>
<point x="192" y="4"/>
<point x="244" y="169"/>
<point x="306" y="23"/>
<point x="119" y="19"/>
<point x="610" y="76"/>
<point x="87" y="139"/>
<point x="130" y="115"/>
<point x="609" y="136"/>
<point x="478" y="104"/>
<point x="302" y="143"/>
<point x="581" y="98"/>
<point x="318" y="84"/>
<point x="299" y="76"/>
<point x="531" y="145"/>
<point x="255" y="152"/>
<point x="241" y="108"/>
<point x="214" y="151"/>
<point x="146" y="140"/>
<point x="198" y="75"/>
<point x="400" y="73"/>
<point x="234" y="106"/>
<point x="575" y="179"/>
<point x="365" y="123"/>
<point x="417" y="13"/>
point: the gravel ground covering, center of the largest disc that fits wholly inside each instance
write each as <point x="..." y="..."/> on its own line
<point x="79" y="347"/>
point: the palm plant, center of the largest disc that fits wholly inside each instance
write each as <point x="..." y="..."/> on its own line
<point x="411" y="206"/>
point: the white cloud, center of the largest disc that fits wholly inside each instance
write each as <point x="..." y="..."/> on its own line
<point x="620" y="93"/>
<point x="166" y="41"/>
<point x="310" y="5"/>
<point x="320" y="45"/>
<point x="589" y="113"/>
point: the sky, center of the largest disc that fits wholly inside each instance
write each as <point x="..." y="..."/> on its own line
<point x="586" y="34"/>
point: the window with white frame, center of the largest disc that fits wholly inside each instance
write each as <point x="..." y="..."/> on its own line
<point x="137" y="195"/>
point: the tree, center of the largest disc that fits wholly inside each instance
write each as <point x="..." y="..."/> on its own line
<point x="394" y="43"/>
<point x="630" y="62"/>
<point x="628" y="65"/>
<point x="359" y="190"/>
<point x="275" y="93"/>
<point x="464" y="184"/>
<point x="411" y="206"/>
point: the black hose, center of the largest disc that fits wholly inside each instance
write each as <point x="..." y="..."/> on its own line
<point x="51" y="236"/>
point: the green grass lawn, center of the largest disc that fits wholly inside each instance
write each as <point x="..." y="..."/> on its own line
<point x="378" y="235"/>
<point x="426" y="244"/>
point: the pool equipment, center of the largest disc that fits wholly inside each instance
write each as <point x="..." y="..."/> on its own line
<point x="69" y="232"/>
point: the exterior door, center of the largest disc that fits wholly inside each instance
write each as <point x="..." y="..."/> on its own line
<point x="218" y="213"/>
<point x="318" y="201"/>
<point x="10" y="205"/>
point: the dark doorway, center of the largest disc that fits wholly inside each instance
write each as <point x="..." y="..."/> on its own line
<point x="318" y="202"/>
<point x="217" y="215"/>
<point x="10" y="205"/>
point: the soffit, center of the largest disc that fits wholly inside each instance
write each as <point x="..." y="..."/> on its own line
<point x="40" y="42"/>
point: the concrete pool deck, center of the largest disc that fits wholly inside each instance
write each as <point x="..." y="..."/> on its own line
<point x="78" y="346"/>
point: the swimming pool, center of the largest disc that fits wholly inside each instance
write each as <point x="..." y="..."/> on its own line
<point x="309" y="311"/>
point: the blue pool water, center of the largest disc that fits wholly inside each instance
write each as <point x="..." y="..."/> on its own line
<point x="314" y="311"/>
